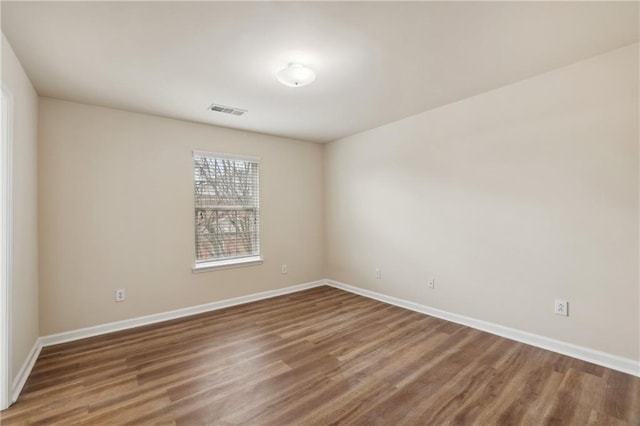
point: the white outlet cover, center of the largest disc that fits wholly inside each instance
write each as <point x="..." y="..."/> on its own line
<point x="561" y="307"/>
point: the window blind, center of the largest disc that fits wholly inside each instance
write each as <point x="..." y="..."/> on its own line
<point x="227" y="211"/>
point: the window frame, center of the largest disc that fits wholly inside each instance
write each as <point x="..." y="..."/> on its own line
<point x="236" y="262"/>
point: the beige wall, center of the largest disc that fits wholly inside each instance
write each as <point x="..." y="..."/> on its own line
<point x="510" y="199"/>
<point x="24" y="300"/>
<point x="116" y="211"/>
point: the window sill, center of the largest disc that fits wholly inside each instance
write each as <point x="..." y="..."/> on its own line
<point x="227" y="264"/>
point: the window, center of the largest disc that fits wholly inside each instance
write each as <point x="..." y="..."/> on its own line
<point x="227" y="211"/>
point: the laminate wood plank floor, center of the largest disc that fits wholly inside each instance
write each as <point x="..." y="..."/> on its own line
<point x="317" y="357"/>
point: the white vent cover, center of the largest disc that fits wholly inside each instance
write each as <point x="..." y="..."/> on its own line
<point x="227" y="109"/>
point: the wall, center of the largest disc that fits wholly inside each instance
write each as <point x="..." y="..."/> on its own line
<point x="510" y="199"/>
<point x="24" y="298"/>
<point x="116" y="211"/>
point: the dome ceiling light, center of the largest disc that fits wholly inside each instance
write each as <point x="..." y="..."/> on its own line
<point x="296" y="75"/>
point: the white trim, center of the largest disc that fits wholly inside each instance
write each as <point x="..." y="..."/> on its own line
<point x="604" y="359"/>
<point x="237" y="262"/>
<point x="97" y="330"/>
<point x="25" y="370"/>
<point x="238" y="157"/>
<point x="590" y="355"/>
<point x="6" y="260"/>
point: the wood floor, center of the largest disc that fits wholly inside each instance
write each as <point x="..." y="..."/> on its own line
<point x="318" y="357"/>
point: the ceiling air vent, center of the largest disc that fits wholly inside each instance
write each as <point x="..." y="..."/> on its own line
<point x="227" y="109"/>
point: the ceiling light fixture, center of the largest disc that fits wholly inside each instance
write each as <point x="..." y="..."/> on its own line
<point x="296" y="75"/>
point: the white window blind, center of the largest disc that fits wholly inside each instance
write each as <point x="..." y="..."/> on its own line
<point x="227" y="211"/>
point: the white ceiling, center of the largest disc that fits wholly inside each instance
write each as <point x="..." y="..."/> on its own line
<point x="375" y="62"/>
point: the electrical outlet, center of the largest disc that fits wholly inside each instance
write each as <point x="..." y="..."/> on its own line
<point x="120" y="295"/>
<point x="561" y="307"/>
<point x="378" y="273"/>
<point x="431" y="283"/>
<point x="284" y="269"/>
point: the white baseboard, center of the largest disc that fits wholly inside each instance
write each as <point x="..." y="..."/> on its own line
<point x="68" y="336"/>
<point x="82" y="333"/>
<point x="25" y="370"/>
<point x="590" y="355"/>
<point x="604" y="359"/>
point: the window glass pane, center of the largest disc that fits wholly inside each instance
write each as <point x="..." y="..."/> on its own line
<point x="226" y="208"/>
